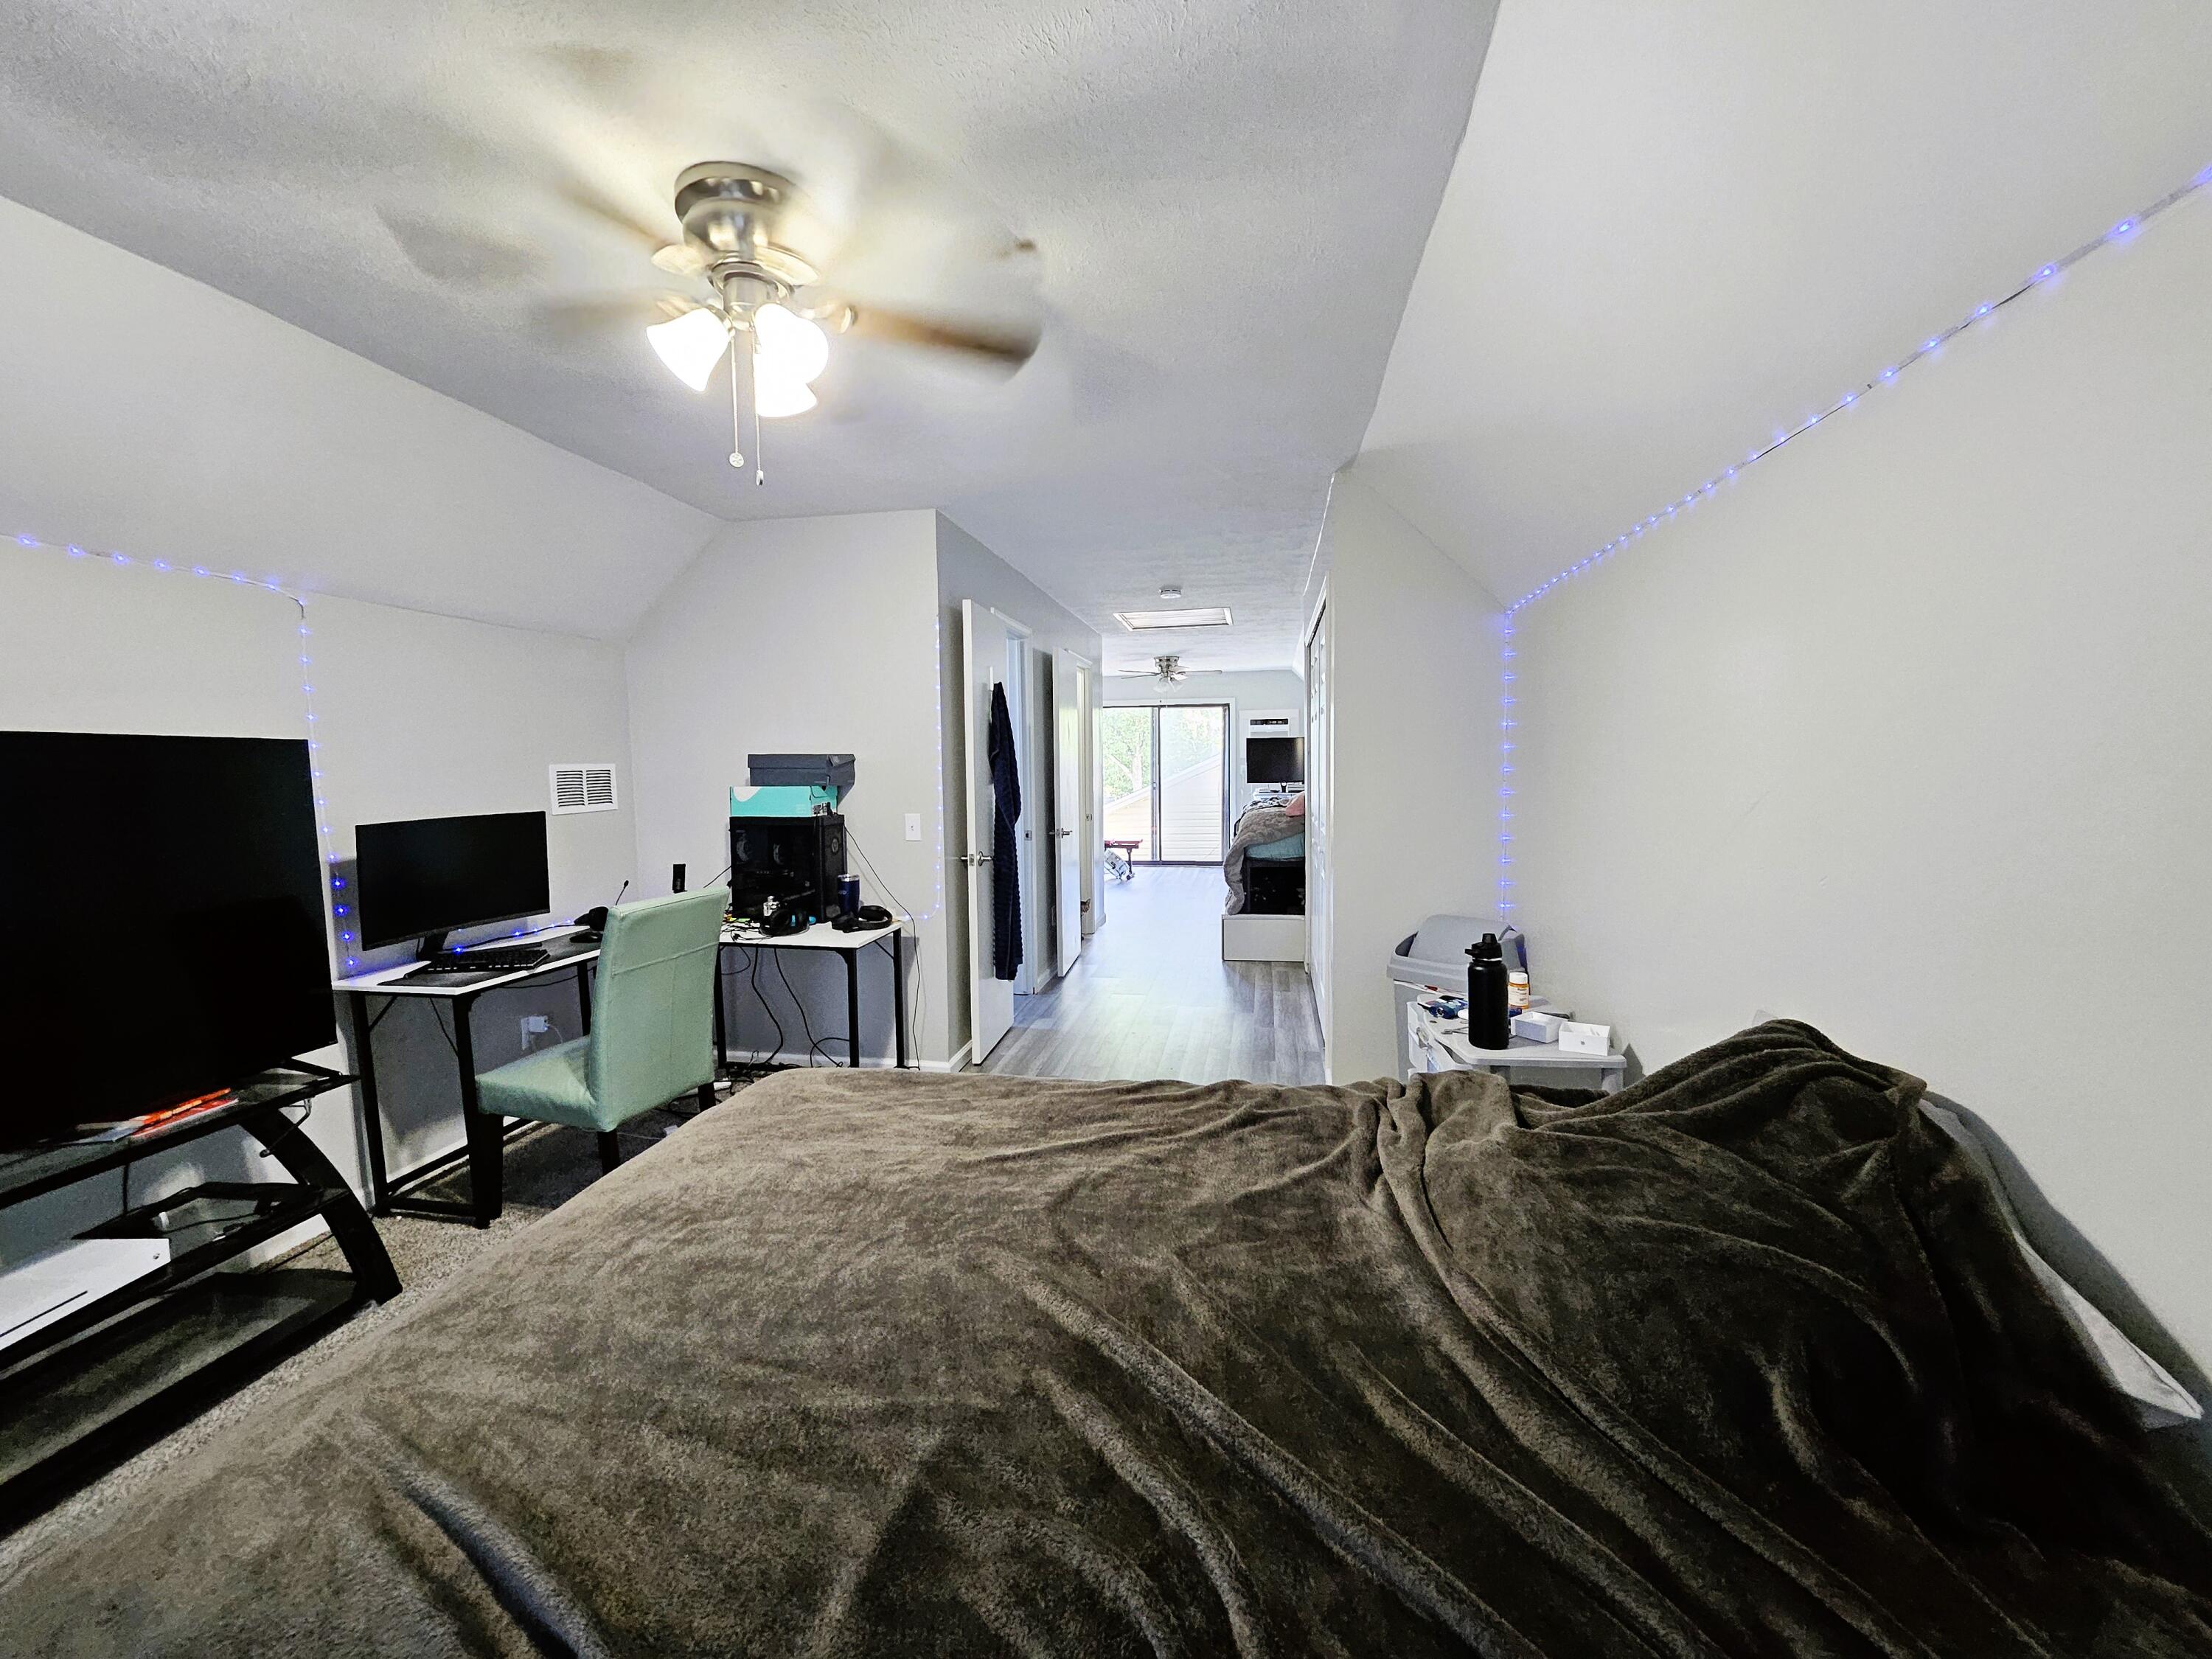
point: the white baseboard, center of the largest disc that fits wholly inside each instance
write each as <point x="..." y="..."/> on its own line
<point x="799" y="1057"/>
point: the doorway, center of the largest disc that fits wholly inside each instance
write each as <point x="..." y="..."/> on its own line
<point x="1166" y="781"/>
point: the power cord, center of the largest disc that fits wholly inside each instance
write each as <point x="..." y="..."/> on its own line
<point x="438" y="1015"/>
<point x="920" y="1011"/>
<point x="813" y="1044"/>
<point x="752" y="975"/>
<point x="752" y="978"/>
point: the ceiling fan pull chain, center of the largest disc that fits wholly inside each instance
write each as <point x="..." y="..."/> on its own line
<point x="737" y="377"/>
<point x="760" y="466"/>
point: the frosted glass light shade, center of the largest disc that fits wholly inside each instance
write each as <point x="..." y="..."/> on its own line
<point x="775" y="396"/>
<point x="789" y="350"/>
<point x="692" y="345"/>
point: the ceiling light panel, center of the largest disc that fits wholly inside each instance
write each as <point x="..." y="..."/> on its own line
<point x="1199" y="617"/>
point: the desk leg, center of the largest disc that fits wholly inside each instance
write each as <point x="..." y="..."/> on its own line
<point x="852" y="1007"/>
<point x="364" y="1058"/>
<point x="350" y="1225"/>
<point x="584" y="995"/>
<point x="486" y="1153"/>
<point x="898" y="998"/>
<point x="721" y="1020"/>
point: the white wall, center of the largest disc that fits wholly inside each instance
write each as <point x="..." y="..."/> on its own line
<point x="1245" y="691"/>
<point x="966" y="569"/>
<point x="1905" y="734"/>
<point x="145" y="412"/>
<point x="140" y="409"/>
<point x="1412" y="777"/>
<point x="801" y="636"/>
<point x="417" y="715"/>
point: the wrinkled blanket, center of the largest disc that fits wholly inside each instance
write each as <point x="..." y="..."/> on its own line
<point x="1739" y="1361"/>
<point x="1259" y="826"/>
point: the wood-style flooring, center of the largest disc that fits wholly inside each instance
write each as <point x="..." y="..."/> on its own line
<point x="1150" y="997"/>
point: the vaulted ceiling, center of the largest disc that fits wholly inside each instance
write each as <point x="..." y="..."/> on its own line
<point x="1227" y="200"/>
<point x="1675" y="231"/>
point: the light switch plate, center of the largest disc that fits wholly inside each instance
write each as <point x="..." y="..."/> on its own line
<point x="913" y="826"/>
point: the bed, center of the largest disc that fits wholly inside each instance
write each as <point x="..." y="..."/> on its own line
<point x="1740" y="1360"/>
<point x="1265" y="864"/>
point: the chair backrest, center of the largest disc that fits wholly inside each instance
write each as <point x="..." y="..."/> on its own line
<point x="653" y="1003"/>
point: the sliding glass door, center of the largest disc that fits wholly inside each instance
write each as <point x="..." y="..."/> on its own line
<point x="1167" y="780"/>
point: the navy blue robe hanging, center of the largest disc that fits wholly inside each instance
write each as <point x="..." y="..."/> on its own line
<point x="1005" y="855"/>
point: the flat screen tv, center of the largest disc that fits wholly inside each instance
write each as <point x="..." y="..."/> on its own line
<point x="419" y="878"/>
<point x="1275" y="760"/>
<point x="166" y="937"/>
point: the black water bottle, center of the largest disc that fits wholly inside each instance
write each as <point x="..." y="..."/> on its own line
<point x="1488" y="1024"/>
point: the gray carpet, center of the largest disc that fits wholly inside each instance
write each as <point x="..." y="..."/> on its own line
<point x="544" y="1171"/>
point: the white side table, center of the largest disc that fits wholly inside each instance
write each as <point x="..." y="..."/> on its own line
<point x="1441" y="1045"/>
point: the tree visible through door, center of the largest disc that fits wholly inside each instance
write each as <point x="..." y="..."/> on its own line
<point x="1166" y="780"/>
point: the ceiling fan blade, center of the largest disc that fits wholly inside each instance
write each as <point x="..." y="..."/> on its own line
<point x="603" y="313"/>
<point x="580" y="195"/>
<point x="454" y="256"/>
<point x="680" y="259"/>
<point x="1008" y="347"/>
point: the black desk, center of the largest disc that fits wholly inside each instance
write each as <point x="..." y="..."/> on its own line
<point x="486" y="1145"/>
<point x="73" y="1403"/>
<point x="822" y="937"/>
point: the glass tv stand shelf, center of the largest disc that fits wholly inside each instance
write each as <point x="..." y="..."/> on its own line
<point x="87" y="1389"/>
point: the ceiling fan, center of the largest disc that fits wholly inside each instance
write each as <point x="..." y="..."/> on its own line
<point x="1166" y="670"/>
<point x="763" y="256"/>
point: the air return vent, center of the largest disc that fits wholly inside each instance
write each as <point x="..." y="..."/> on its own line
<point x="583" y="788"/>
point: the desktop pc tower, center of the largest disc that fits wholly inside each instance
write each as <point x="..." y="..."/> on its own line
<point x="795" y="861"/>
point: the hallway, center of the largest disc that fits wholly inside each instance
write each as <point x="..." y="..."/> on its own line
<point x="1152" y="997"/>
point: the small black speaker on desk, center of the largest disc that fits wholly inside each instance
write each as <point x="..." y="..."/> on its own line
<point x="676" y="880"/>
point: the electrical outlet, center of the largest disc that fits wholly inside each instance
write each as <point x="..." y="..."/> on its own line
<point x="913" y="826"/>
<point x="533" y="1026"/>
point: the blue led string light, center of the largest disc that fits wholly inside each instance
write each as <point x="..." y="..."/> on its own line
<point x="341" y="901"/>
<point x="2126" y="230"/>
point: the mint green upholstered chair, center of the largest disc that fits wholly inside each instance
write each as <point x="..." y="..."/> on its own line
<point x="653" y="1025"/>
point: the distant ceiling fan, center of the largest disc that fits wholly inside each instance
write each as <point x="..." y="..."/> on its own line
<point x="1166" y="670"/>
<point x="761" y="251"/>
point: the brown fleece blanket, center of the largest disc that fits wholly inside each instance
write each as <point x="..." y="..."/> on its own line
<point x="1739" y="1361"/>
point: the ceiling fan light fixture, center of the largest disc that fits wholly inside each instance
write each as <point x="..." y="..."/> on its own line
<point x="788" y="347"/>
<point x="775" y="397"/>
<point x="691" y="346"/>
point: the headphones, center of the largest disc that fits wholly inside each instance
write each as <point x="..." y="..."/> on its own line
<point x="867" y="916"/>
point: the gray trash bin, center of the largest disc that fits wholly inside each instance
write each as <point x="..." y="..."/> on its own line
<point x="1434" y="954"/>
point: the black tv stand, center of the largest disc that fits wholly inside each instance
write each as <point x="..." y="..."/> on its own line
<point x="82" y="1394"/>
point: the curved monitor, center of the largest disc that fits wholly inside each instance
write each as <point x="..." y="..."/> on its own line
<point x="420" y="877"/>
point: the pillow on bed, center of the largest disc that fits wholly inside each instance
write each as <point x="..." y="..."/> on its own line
<point x="2159" y="1401"/>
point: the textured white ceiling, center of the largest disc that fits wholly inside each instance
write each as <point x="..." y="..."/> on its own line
<point x="1674" y="229"/>
<point x="1228" y="199"/>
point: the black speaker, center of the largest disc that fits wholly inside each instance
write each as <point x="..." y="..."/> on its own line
<point x="795" y="861"/>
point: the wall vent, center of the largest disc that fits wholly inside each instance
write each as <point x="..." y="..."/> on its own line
<point x="583" y="788"/>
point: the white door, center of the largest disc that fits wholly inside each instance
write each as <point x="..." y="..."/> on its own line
<point x="1067" y="770"/>
<point x="1032" y="666"/>
<point x="1317" y="800"/>
<point x="983" y="640"/>
<point x="1094" y="792"/>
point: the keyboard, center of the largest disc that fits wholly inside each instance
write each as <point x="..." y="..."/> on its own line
<point x="504" y="959"/>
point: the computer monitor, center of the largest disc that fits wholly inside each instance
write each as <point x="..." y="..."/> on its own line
<point x="166" y="929"/>
<point x="421" y="878"/>
<point x="1275" y="760"/>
